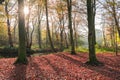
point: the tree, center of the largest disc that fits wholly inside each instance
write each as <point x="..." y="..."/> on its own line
<point x="21" y="25"/>
<point x="48" y="29"/>
<point x="8" y="25"/>
<point x="40" y="15"/>
<point x="112" y="9"/>
<point x="60" y="12"/>
<point x="27" y="22"/>
<point x="69" y="6"/>
<point x="31" y="38"/>
<point x="39" y="27"/>
<point x="91" y="34"/>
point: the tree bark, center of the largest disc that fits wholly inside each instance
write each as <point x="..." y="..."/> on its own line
<point x="115" y="18"/>
<point x="91" y="34"/>
<point x="48" y="29"/>
<point x="69" y="6"/>
<point x="8" y="25"/>
<point x="31" y="36"/>
<point x="39" y="27"/>
<point x="22" y="43"/>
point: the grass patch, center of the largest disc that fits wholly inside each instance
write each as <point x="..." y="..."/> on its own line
<point x="98" y="50"/>
<point x="79" y="49"/>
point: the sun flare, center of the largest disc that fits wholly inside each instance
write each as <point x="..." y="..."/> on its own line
<point x="26" y="10"/>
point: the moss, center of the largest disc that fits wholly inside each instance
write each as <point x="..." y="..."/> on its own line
<point x="22" y="59"/>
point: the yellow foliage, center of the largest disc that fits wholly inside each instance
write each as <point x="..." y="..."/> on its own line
<point x="1" y="8"/>
<point x="3" y="30"/>
<point x="112" y="3"/>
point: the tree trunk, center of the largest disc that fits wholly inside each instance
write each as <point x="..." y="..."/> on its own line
<point x="61" y="35"/>
<point x="116" y="46"/>
<point x="31" y="39"/>
<point x="69" y="6"/>
<point x="75" y="31"/>
<point x="61" y="40"/>
<point x="94" y="13"/>
<point x="39" y="27"/>
<point x="22" y="46"/>
<point x="104" y="38"/>
<point x="15" y="25"/>
<point x="115" y="18"/>
<point x="117" y="25"/>
<point x="8" y="25"/>
<point x="66" y="40"/>
<point x="91" y="34"/>
<point x="48" y="30"/>
<point x="27" y="30"/>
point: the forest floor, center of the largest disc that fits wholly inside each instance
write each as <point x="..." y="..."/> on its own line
<point x="61" y="66"/>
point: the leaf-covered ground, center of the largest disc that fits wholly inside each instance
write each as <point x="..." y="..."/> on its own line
<point x="61" y="66"/>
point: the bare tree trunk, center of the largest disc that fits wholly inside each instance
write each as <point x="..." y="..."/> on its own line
<point x="114" y="39"/>
<point x="94" y="13"/>
<point x="22" y="58"/>
<point x="39" y="27"/>
<point x="30" y="44"/>
<point x="61" y="39"/>
<point x="27" y="31"/>
<point x="75" y="32"/>
<point x="48" y="30"/>
<point x="61" y="34"/>
<point x="104" y="38"/>
<point x="66" y="41"/>
<point x="8" y="25"/>
<point x="15" y="25"/>
<point x="69" y="6"/>
<point x="116" y="46"/>
<point x="91" y="34"/>
<point x="115" y="18"/>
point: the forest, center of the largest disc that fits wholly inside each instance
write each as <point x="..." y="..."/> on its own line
<point x="59" y="39"/>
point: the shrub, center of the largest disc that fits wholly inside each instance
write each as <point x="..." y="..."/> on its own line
<point x="13" y="52"/>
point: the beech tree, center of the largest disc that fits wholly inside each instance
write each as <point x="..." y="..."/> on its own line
<point x="69" y="6"/>
<point x="91" y="34"/>
<point x="8" y="25"/>
<point x="48" y="29"/>
<point x="21" y="26"/>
